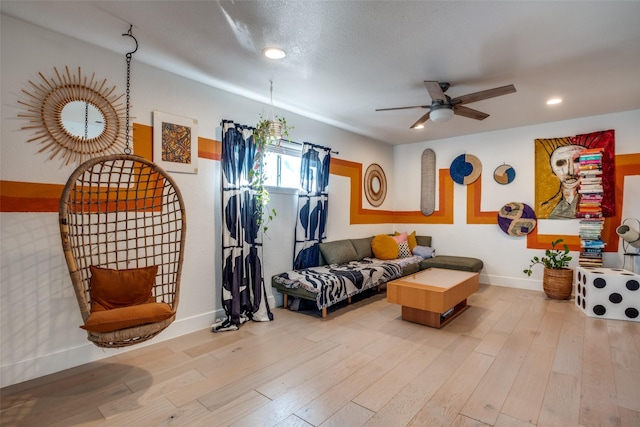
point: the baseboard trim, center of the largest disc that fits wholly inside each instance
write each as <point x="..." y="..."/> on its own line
<point x="47" y="364"/>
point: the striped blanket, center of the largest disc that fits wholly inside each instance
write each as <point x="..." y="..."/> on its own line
<point x="336" y="282"/>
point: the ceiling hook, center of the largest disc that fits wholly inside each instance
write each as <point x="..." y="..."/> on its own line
<point x="134" y="39"/>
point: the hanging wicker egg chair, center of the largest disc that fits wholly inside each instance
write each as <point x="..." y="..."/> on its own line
<point x="123" y="225"/>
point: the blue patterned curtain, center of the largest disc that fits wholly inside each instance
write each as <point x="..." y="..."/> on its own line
<point x="243" y="292"/>
<point x="313" y="202"/>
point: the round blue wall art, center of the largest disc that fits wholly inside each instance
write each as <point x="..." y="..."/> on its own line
<point x="504" y="174"/>
<point x="465" y="169"/>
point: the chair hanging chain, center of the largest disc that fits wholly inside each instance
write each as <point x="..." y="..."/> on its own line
<point x="273" y="118"/>
<point x="127" y="149"/>
<point x="86" y="120"/>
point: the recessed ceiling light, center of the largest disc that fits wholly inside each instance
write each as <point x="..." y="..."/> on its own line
<point x="274" y="53"/>
<point x="554" y="101"/>
<point x="419" y="127"/>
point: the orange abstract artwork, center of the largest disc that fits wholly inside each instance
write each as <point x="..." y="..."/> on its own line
<point x="176" y="143"/>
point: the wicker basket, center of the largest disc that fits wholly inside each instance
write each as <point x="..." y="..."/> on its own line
<point x="558" y="283"/>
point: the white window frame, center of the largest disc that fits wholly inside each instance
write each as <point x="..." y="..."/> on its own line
<point x="286" y="148"/>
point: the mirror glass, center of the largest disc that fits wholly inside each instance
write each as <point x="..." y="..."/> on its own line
<point x="73" y="119"/>
<point x="375" y="185"/>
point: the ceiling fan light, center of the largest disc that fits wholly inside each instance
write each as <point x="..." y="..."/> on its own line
<point x="441" y="115"/>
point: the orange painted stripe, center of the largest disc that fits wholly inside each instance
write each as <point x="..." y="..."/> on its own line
<point x="143" y="196"/>
<point x="143" y="141"/>
<point x="29" y="204"/>
<point x="360" y="215"/>
<point x="444" y="214"/>
<point x="39" y="197"/>
<point x="143" y="137"/>
<point x="209" y="149"/>
<point x="474" y="212"/>
<point x="29" y="197"/>
<point x="625" y="165"/>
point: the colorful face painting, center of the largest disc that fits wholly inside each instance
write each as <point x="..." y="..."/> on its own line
<point x="558" y="177"/>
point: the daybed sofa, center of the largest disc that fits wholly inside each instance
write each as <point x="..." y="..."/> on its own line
<point x="348" y="267"/>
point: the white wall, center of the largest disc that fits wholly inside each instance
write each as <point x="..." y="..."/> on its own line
<point x="39" y="316"/>
<point x="506" y="256"/>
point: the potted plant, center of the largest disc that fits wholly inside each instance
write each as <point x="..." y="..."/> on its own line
<point x="267" y="132"/>
<point x="557" y="280"/>
<point x="271" y="131"/>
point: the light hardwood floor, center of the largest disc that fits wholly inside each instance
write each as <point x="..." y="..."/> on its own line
<point x="515" y="358"/>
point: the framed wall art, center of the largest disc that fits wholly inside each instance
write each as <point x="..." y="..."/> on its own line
<point x="175" y="143"/>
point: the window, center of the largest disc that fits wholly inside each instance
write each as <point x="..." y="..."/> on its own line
<point x="282" y="165"/>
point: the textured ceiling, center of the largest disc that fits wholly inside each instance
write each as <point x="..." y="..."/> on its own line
<point x="345" y="59"/>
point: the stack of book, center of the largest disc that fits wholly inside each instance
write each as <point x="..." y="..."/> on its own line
<point x="590" y="208"/>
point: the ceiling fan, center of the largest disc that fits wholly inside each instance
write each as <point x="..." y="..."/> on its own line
<point x="443" y="107"/>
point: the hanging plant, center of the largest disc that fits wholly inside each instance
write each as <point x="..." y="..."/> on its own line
<point x="267" y="132"/>
<point x="271" y="131"/>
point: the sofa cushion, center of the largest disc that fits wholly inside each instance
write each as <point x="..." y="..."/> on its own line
<point x="338" y="252"/>
<point x="384" y="247"/>
<point x="423" y="240"/>
<point x="363" y="247"/>
<point x="452" y="263"/>
<point x="410" y="269"/>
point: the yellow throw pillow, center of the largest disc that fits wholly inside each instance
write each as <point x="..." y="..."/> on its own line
<point x="384" y="247"/>
<point x="112" y="289"/>
<point x="411" y="239"/>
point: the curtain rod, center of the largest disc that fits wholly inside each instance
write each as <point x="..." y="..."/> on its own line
<point x="313" y="145"/>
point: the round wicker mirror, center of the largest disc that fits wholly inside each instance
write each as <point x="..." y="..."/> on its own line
<point x="82" y="119"/>
<point x="98" y="131"/>
<point x="375" y="185"/>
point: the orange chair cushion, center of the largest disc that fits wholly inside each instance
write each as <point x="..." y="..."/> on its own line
<point x="127" y="317"/>
<point x="112" y="289"/>
<point x="384" y="247"/>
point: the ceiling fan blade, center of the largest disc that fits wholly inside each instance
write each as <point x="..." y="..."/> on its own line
<point x="403" y="108"/>
<point x="460" y="110"/>
<point x="421" y="120"/>
<point x="483" y="94"/>
<point x="435" y="91"/>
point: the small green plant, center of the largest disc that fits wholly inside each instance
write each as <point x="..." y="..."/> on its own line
<point x="553" y="258"/>
<point x="271" y="131"/>
<point x="267" y="132"/>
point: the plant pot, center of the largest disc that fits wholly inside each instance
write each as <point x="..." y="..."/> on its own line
<point x="558" y="282"/>
<point x="275" y="130"/>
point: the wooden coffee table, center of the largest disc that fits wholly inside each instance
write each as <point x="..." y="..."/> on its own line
<point x="433" y="297"/>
